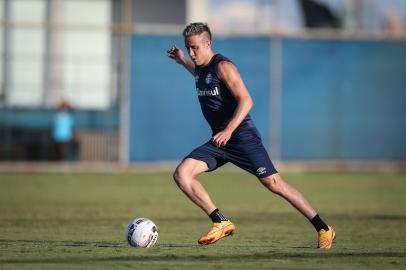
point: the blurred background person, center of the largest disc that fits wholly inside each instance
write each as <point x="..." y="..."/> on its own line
<point x="62" y="132"/>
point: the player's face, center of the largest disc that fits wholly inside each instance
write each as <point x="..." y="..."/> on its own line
<point x="199" y="48"/>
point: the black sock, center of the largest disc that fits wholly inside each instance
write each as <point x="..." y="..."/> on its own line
<point x="217" y="217"/>
<point x="318" y="223"/>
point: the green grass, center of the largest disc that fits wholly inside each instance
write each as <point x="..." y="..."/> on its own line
<point x="77" y="221"/>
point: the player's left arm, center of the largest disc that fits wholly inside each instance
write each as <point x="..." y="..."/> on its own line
<point x="228" y="73"/>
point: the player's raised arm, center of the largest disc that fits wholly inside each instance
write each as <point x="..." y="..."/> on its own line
<point x="177" y="54"/>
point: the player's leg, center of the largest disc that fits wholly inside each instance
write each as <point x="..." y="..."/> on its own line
<point x="249" y="154"/>
<point x="277" y="185"/>
<point x="185" y="177"/>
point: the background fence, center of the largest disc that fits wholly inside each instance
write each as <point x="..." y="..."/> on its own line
<point x="325" y="88"/>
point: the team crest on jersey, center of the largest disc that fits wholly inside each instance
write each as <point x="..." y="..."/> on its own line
<point x="209" y="78"/>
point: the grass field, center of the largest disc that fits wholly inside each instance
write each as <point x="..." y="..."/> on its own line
<point x="77" y="221"/>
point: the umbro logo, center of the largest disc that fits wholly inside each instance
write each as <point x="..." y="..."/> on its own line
<point x="261" y="170"/>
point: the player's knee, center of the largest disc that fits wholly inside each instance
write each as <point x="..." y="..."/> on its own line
<point x="180" y="177"/>
<point x="274" y="184"/>
<point x="176" y="176"/>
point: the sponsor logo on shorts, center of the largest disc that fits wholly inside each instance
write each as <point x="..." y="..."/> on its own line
<point x="261" y="170"/>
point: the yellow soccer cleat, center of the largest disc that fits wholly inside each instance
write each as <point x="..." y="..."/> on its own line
<point x="217" y="231"/>
<point x="326" y="238"/>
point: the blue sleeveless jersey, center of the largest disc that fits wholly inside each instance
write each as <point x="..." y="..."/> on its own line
<point x="217" y="102"/>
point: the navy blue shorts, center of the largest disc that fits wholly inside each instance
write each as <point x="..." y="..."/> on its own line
<point x="244" y="149"/>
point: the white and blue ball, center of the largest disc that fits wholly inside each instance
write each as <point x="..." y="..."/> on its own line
<point x="141" y="232"/>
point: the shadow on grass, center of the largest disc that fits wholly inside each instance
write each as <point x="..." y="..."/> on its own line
<point x="234" y="253"/>
<point x="62" y="243"/>
<point x="268" y="256"/>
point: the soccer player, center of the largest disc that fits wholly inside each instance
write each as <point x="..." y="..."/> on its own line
<point x="225" y="103"/>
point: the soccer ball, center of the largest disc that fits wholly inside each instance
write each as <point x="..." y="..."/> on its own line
<point x="141" y="232"/>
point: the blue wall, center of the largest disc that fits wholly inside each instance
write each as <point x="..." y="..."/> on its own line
<point x="346" y="99"/>
<point x="340" y="99"/>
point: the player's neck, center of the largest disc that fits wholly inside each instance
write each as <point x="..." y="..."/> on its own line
<point x="208" y="59"/>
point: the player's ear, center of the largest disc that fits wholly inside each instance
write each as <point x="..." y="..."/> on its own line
<point x="206" y="39"/>
<point x="208" y="43"/>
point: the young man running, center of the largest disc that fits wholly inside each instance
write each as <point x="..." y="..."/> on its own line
<point x="225" y="103"/>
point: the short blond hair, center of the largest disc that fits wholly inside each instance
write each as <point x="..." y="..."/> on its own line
<point x="196" y="28"/>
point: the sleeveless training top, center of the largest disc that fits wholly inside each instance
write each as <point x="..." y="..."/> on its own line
<point x="217" y="102"/>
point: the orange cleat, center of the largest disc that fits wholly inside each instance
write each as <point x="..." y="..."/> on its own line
<point x="217" y="231"/>
<point x="326" y="238"/>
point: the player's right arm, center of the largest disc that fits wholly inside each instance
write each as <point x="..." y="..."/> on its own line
<point x="177" y="54"/>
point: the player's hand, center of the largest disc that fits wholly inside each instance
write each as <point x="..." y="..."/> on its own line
<point x="220" y="139"/>
<point x="176" y="54"/>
